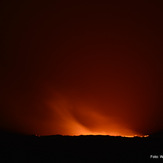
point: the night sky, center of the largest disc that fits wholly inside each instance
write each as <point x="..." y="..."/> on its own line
<point x="74" y="67"/>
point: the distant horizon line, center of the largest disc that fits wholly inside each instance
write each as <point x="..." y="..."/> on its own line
<point x="127" y="136"/>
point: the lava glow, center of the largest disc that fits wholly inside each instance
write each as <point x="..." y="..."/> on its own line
<point x="87" y="122"/>
<point x="82" y="68"/>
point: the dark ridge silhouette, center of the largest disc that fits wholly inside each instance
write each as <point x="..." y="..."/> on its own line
<point x="84" y="148"/>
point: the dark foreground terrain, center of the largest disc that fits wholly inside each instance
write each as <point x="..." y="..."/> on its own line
<point x="79" y="149"/>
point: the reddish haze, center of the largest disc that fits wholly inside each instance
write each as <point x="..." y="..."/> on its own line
<point x="82" y="68"/>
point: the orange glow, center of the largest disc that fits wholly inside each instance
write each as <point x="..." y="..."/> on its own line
<point x="96" y="123"/>
<point x="73" y="68"/>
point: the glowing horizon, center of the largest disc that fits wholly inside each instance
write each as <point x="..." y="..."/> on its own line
<point x="97" y="123"/>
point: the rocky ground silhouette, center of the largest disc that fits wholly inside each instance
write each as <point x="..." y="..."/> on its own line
<point x="57" y="148"/>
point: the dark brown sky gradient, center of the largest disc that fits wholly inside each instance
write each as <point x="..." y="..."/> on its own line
<point x="81" y="67"/>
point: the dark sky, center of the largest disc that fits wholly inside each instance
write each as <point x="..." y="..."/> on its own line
<point x="74" y="67"/>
